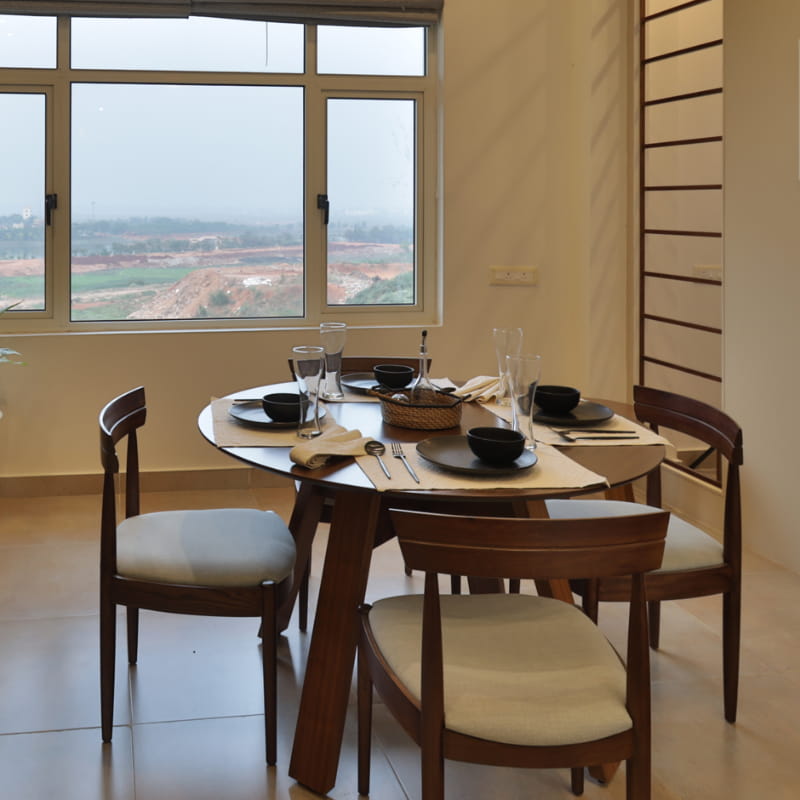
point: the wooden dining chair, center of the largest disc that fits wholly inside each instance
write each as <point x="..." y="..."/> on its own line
<point x="695" y="564"/>
<point x="230" y="562"/>
<point x="512" y="679"/>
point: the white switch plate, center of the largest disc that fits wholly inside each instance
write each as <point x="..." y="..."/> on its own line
<point x="513" y="276"/>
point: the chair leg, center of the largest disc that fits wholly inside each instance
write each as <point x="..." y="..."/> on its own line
<point x="269" y="638"/>
<point x="133" y="634"/>
<point x="432" y="773"/>
<point x="108" y="646"/>
<point x="407" y="570"/>
<point x="654" y="622"/>
<point x="637" y="778"/>
<point x="576" y="780"/>
<point x="455" y="584"/>
<point x="731" y="616"/>
<point x="590" y="604"/>
<point x="364" y="709"/>
<point x="303" y="598"/>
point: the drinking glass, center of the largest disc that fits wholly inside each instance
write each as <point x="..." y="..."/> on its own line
<point x="524" y="371"/>
<point x="332" y="336"/>
<point x="308" y="365"/>
<point x="507" y="342"/>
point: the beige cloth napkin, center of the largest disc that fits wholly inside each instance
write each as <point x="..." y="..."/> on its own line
<point x="482" y="389"/>
<point x="553" y="470"/>
<point x="332" y="442"/>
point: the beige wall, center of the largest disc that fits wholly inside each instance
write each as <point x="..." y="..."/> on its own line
<point x="762" y="279"/>
<point x="535" y="139"/>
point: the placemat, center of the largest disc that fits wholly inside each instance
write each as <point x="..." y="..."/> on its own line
<point x="554" y="470"/>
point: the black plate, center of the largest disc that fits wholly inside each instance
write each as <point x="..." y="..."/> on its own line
<point x="254" y="414"/>
<point x="585" y="413"/>
<point x="453" y="453"/>
<point x="359" y="382"/>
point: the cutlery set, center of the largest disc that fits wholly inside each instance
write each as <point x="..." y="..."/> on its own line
<point x="575" y="434"/>
<point x="377" y="449"/>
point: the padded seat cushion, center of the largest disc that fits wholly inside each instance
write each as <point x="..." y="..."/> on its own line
<point x="209" y="547"/>
<point x="686" y="546"/>
<point x="518" y="668"/>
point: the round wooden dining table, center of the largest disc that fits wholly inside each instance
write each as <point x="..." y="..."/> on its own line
<point x="359" y="523"/>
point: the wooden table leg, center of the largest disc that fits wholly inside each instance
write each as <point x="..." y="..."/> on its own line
<point x="329" y="669"/>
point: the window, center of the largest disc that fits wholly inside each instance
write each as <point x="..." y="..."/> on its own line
<point x="208" y="172"/>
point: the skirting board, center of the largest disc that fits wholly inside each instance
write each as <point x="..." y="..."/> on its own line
<point x="172" y="481"/>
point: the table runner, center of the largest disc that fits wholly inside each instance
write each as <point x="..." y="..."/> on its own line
<point x="554" y="470"/>
<point x="544" y="435"/>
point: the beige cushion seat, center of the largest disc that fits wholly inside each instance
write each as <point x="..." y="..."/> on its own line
<point x="686" y="547"/>
<point x="207" y="547"/>
<point x="543" y="674"/>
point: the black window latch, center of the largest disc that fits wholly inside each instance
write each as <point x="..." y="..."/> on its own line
<point x="324" y="204"/>
<point x="50" y="204"/>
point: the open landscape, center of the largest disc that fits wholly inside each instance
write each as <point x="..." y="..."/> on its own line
<point x="140" y="271"/>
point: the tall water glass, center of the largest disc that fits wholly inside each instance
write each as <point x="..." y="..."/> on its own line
<point x="524" y="371"/>
<point x="308" y="365"/>
<point x="507" y="342"/>
<point x="332" y="337"/>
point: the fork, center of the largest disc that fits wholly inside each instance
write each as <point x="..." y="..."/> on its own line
<point x="397" y="452"/>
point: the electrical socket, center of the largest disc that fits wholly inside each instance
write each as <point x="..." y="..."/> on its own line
<point x="513" y="276"/>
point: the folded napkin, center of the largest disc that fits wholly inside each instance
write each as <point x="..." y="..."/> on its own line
<point x="483" y="389"/>
<point x="333" y="441"/>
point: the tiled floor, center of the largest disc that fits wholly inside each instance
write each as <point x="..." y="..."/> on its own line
<point x="188" y="721"/>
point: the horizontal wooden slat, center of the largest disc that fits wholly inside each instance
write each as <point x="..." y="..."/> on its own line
<point x="686" y="96"/>
<point x="687" y="278"/>
<point x="682" y="51"/>
<point x="675" y="9"/>
<point x="658" y="231"/>
<point x="682" y="323"/>
<point x="680" y="142"/>
<point x="688" y="187"/>
<point x="687" y="370"/>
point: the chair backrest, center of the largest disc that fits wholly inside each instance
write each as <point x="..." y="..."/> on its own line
<point x="710" y="426"/>
<point x="502" y="547"/>
<point x="119" y="419"/>
<point x="692" y="417"/>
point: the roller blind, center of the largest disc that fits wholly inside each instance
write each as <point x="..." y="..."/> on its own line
<point x="356" y="12"/>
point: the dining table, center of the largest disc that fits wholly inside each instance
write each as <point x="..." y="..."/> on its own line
<point x="360" y="500"/>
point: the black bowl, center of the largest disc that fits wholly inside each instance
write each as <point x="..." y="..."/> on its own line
<point x="282" y="406"/>
<point x="496" y="445"/>
<point x="393" y="376"/>
<point x="556" y="399"/>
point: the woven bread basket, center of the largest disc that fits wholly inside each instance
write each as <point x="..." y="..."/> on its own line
<point x="437" y="410"/>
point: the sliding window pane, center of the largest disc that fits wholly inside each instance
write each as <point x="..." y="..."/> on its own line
<point x="197" y="43"/>
<point x="186" y="202"/>
<point x="28" y="42"/>
<point x="22" y="188"/>
<point x="371" y="179"/>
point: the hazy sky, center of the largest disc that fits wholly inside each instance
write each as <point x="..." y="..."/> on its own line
<point x="210" y="151"/>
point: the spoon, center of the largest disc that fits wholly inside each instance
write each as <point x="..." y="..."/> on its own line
<point x="377" y="449"/>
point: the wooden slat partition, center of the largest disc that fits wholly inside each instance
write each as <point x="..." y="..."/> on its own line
<point x="656" y="221"/>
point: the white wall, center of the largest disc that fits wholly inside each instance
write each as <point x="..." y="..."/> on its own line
<point x="762" y="269"/>
<point x="535" y="140"/>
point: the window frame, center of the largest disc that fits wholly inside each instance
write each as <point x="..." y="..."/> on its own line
<point x="318" y="88"/>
